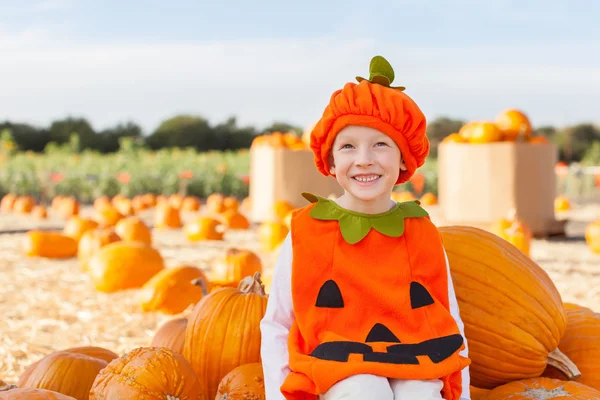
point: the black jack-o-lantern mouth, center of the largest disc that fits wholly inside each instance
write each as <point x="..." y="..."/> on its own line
<point x="437" y="349"/>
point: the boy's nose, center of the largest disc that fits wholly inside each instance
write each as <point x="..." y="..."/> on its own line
<point x="364" y="157"/>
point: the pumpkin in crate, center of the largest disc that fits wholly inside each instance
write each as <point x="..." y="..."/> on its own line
<point x="592" y="236"/>
<point x="454" y="138"/>
<point x="271" y="235"/>
<point x="235" y="266"/>
<point x="51" y="373"/>
<point x="77" y="226"/>
<point x="171" y="335"/>
<point x="108" y="217"/>
<point x="223" y="332"/>
<point x="581" y="343"/>
<point x="514" y="231"/>
<point x="512" y="312"/>
<point x="514" y="125"/>
<point x="204" y="228"/>
<point x="171" y="290"/>
<point x="167" y="217"/>
<point x="244" y="382"/>
<point x="543" y="388"/>
<point x="39" y="212"/>
<point x="7" y="203"/>
<point x="92" y="241"/>
<point x="538" y="139"/>
<point x="11" y="392"/>
<point x="23" y="204"/>
<point x="190" y="203"/>
<point x="481" y="132"/>
<point x="133" y="229"/>
<point x="149" y="373"/>
<point x="124" y="265"/>
<point x="233" y="219"/>
<point x="49" y="244"/>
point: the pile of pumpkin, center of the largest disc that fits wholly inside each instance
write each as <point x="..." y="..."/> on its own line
<point x="287" y="140"/>
<point x="509" y="126"/>
<point x="524" y="343"/>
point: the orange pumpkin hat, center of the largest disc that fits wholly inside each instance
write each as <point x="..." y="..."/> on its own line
<point x="375" y="104"/>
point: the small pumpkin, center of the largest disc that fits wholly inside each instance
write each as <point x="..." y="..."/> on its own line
<point x="428" y="199"/>
<point x="454" y="138"/>
<point x="543" y="388"/>
<point x="133" y="229"/>
<point x="124" y="265"/>
<point x="7" y="203"/>
<point x="244" y="382"/>
<point x="271" y="235"/>
<point x="175" y="200"/>
<point x="514" y="125"/>
<point x="233" y="219"/>
<point x="108" y="217"/>
<point x="204" y="228"/>
<point x="190" y="203"/>
<point x="215" y="203"/>
<point x="49" y="244"/>
<point x="77" y="226"/>
<point x="538" y="139"/>
<point x="93" y="240"/>
<point x="223" y="332"/>
<point x="281" y="209"/>
<point x="171" y="290"/>
<point x="23" y="204"/>
<point x="171" y="335"/>
<point x="125" y="207"/>
<point x="403" y="196"/>
<point x="512" y="312"/>
<point x="235" y="266"/>
<point x="50" y="373"/>
<point x="592" y="236"/>
<point x="102" y="202"/>
<point x="246" y="206"/>
<point x="149" y="373"/>
<point x="167" y="217"/>
<point x="68" y="207"/>
<point x="39" y="212"/>
<point x="484" y="132"/>
<point x="581" y="343"/>
<point x="562" y="203"/>
<point x="13" y="393"/>
<point x="230" y="203"/>
<point x="514" y="231"/>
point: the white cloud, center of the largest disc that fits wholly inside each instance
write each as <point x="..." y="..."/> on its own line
<point x="43" y="78"/>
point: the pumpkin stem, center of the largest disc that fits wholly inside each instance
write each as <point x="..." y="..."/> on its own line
<point x="7" y="387"/>
<point x="561" y="362"/>
<point x="252" y="284"/>
<point x="202" y="283"/>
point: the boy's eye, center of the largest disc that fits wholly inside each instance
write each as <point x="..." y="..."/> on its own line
<point x="382" y="143"/>
<point x="347" y="146"/>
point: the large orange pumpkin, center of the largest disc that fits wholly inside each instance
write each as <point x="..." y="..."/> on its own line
<point x="171" y="290"/>
<point x="133" y="229"/>
<point x="92" y="241"/>
<point x="14" y="393"/>
<point x="581" y="343"/>
<point x="543" y="388"/>
<point x="49" y="244"/>
<point x="77" y="226"/>
<point x="513" y="314"/>
<point x="149" y="373"/>
<point x="51" y="373"/>
<point x="235" y="266"/>
<point x="171" y="335"/>
<point x="478" y="394"/>
<point x="223" y="332"/>
<point x="124" y="265"/>
<point x="592" y="236"/>
<point x="514" y="125"/>
<point x="244" y="382"/>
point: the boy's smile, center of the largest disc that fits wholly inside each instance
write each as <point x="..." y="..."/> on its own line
<point x="366" y="163"/>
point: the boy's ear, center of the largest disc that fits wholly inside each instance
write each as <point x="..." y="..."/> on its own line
<point x="402" y="165"/>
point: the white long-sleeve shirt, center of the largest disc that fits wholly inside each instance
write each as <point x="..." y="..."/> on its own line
<point x="279" y="316"/>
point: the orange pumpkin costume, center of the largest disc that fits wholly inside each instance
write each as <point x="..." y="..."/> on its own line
<point x="383" y="312"/>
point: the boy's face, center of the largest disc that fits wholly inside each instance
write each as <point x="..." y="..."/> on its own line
<point x="365" y="162"/>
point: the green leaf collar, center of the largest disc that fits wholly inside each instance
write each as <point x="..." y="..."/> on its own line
<point x="354" y="226"/>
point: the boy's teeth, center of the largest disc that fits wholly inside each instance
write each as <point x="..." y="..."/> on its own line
<point x="366" y="178"/>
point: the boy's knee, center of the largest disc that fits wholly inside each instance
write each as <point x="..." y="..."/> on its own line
<point x="360" y="387"/>
<point x="416" y="389"/>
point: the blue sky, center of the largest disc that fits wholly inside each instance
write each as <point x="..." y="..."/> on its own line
<point x="264" y="61"/>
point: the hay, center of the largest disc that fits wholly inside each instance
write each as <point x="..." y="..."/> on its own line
<point x="50" y="305"/>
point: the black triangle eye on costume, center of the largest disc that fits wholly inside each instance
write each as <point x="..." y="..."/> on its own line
<point x="330" y="296"/>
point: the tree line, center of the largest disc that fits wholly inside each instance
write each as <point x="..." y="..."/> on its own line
<point x="575" y="142"/>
